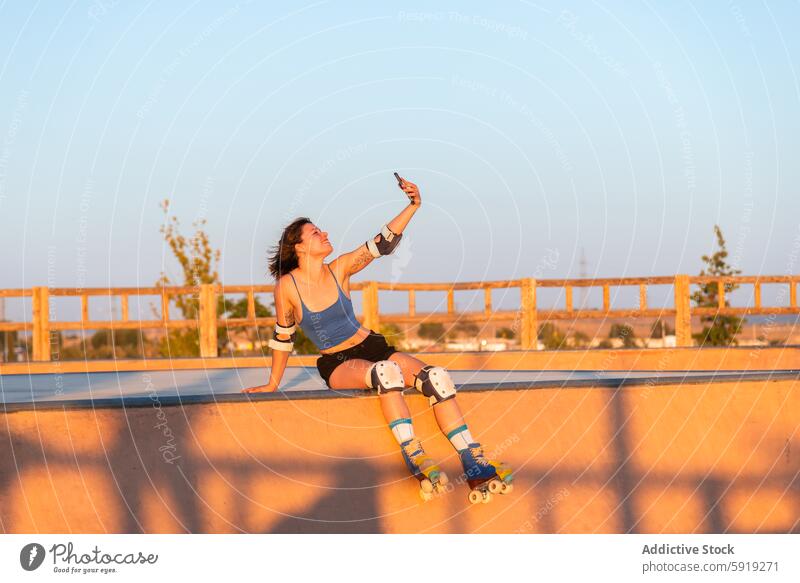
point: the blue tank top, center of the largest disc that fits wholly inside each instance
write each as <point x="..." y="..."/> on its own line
<point x="331" y="326"/>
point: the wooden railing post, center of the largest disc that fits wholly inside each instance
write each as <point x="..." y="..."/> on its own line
<point x="208" y="321"/>
<point x="251" y="305"/>
<point x="683" y="311"/>
<point x="369" y="296"/>
<point x="757" y="294"/>
<point x="41" y="324"/>
<point x="529" y="334"/>
<point x="84" y="309"/>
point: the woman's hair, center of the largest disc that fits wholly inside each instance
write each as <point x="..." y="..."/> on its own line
<point x="283" y="258"/>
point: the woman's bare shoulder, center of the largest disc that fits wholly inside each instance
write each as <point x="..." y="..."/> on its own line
<point x="285" y="288"/>
<point x="339" y="270"/>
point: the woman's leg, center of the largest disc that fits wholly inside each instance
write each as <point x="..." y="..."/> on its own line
<point x="448" y="413"/>
<point x="352" y="374"/>
<point x="478" y="470"/>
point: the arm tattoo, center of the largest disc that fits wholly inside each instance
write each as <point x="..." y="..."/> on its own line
<point x="288" y="316"/>
<point x="362" y="258"/>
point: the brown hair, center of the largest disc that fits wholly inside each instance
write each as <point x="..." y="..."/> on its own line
<point x="283" y="258"/>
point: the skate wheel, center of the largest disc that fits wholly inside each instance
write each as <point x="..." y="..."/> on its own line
<point x="425" y="495"/>
<point x="507" y="488"/>
<point x="475" y="497"/>
<point x="426" y="486"/>
<point x="441" y="486"/>
<point x="495" y="486"/>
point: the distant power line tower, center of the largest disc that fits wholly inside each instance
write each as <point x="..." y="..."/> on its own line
<point x="583" y="275"/>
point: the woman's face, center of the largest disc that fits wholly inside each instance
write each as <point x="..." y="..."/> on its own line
<point x="316" y="241"/>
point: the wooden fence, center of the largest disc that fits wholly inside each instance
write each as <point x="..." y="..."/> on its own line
<point x="524" y="321"/>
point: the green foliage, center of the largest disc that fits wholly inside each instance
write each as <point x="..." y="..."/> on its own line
<point x="468" y="329"/>
<point x="552" y="337"/>
<point x="198" y="261"/>
<point x="431" y="330"/>
<point x="505" y="333"/>
<point x="121" y="338"/>
<point x="717" y="330"/>
<point x="238" y="309"/>
<point x="624" y="333"/>
<point x="580" y="339"/>
<point x="392" y="332"/>
<point x="227" y="308"/>
<point x="115" y="344"/>
<point x="303" y="344"/>
<point x="180" y="343"/>
<point x="656" y="329"/>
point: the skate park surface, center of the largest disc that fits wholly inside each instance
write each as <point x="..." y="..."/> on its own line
<point x="650" y="441"/>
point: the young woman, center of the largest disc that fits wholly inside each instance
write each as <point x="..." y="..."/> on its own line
<point x="316" y="296"/>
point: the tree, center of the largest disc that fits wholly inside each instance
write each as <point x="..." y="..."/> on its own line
<point x="718" y="330"/>
<point x="552" y="337"/>
<point x="623" y="332"/>
<point x="431" y="331"/>
<point x="505" y="333"/>
<point x="468" y="329"/>
<point x="238" y="309"/>
<point x="303" y="344"/>
<point x="116" y="344"/>
<point x="392" y="332"/>
<point x="661" y="328"/>
<point x="198" y="262"/>
<point x="580" y="339"/>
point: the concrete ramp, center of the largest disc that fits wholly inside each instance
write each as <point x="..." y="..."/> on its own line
<point x="719" y="455"/>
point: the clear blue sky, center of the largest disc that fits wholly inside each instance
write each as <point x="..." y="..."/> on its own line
<point x="533" y="129"/>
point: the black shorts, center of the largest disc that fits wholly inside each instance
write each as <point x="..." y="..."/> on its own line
<point x="372" y="348"/>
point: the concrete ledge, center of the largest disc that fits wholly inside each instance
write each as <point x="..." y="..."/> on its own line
<point x="615" y="382"/>
<point x="663" y="359"/>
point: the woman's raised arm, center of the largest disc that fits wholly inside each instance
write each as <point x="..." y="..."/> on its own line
<point x="385" y="241"/>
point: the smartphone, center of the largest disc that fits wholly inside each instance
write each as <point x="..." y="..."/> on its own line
<point x="400" y="184"/>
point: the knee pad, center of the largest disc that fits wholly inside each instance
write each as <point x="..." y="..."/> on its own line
<point x="435" y="383"/>
<point x="385" y="375"/>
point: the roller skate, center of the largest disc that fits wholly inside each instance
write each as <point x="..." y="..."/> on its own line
<point x="431" y="478"/>
<point x="484" y="477"/>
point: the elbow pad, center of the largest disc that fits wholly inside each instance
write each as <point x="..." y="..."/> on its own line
<point x="284" y="345"/>
<point x="387" y="241"/>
